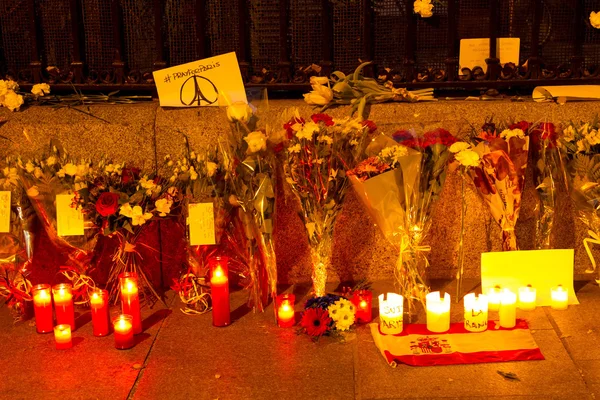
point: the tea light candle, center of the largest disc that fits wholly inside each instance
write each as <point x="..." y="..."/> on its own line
<point x="494" y="298"/>
<point x="42" y="307"/>
<point x="219" y="284"/>
<point x="123" y="331"/>
<point x="527" y="298"/>
<point x="62" y="294"/>
<point x="362" y="300"/>
<point x="130" y="299"/>
<point x="286" y="317"/>
<point x="559" y="298"/>
<point x="99" y="306"/>
<point x="476" y="312"/>
<point x="391" y="310"/>
<point x="508" y="309"/>
<point x="62" y="336"/>
<point x="438" y="312"/>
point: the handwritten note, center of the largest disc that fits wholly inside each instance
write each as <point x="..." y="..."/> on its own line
<point x="4" y="212"/>
<point x="199" y="83"/>
<point x="473" y="52"/>
<point x="202" y="224"/>
<point x="69" y="220"/>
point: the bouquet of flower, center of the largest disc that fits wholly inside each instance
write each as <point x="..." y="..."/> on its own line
<point x="500" y="177"/>
<point x="580" y="143"/>
<point x="327" y="315"/>
<point x="11" y="98"/>
<point x="250" y="165"/>
<point x="398" y="183"/>
<point x="359" y="91"/>
<point x="319" y="152"/>
<point x="547" y="169"/>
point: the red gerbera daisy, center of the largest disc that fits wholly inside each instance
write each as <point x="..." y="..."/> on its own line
<point x="316" y="321"/>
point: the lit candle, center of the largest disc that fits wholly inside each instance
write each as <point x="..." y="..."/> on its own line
<point x="508" y="309"/>
<point x="42" y="307"/>
<point x="494" y="298"/>
<point x="362" y="300"/>
<point x="560" y="298"/>
<point x="130" y="299"/>
<point x="219" y="284"/>
<point x="527" y="298"/>
<point x="286" y="317"/>
<point x="99" y="306"/>
<point x="391" y="310"/>
<point x="438" y="312"/>
<point x="62" y="294"/>
<point x="476" y="312"/>
<point x="123" y="331"/>
<point x="62" y="336"/>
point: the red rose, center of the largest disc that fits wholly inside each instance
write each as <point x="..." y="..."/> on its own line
<point x="107" y="204"/>
<point x="325" y="118"/>
<point x="370" y="124"/>
<point x="130" y="174"/>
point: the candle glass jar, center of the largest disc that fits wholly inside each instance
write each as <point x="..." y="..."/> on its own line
<point x="42" y="308"/>
<point x="493" y="296"/>
<point x="438" y="312"/>
<point x="391" y="313"/>
<point x="123" y="331"/>
<point x="363" y="300"/>
<point x="62" y="295"/>
<point x="508" y="309"/>
<point x="62" y="336"/>
<point x="99" y="307"/>
<point x="527" y="298"/>
<point x="286" y="316"/>
<point x="130" y="299"/>
<point x="476" y="312"/>
<point x="559" y="298"/>
<point x="219" y="286"/>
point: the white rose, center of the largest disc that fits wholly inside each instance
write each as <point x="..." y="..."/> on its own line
<point x="257" y="141"/>
<point x="595" y="19"/>
<point x="320" y="95"/>
<point x="239" y="112"/>
<point x="40" y="89"/>
<point x="13" y="101"/>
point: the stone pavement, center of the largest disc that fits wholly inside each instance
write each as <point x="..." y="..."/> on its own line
<point x="185" y="357"/>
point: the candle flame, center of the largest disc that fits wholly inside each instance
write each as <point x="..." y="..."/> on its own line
<point x="218" y="272"/>
<point x="363" y="304"/>
<point x="285" y="307"/>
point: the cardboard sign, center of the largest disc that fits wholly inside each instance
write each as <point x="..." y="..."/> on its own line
<point x="202" y="224"/>
<point x="69" y="220"/>
<point x="542" y="269"/>
<point x="4" y="211"/>
<point x="200" y="83"/>
<point x="473" y="52"/>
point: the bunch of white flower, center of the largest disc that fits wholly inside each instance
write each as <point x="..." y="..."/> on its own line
<point x="9" y="97"/>
<point x="321" y="93"/>
<point x="464" y="155"/>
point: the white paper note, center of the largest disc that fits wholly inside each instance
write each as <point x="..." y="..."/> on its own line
<point x="202" y="224"/>
<point x="69" y="220"/>
<point x="473" y="52"/>
<point x="4" y="211"/>
<point x="569" y="93"/>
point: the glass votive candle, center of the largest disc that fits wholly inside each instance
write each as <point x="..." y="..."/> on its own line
<point x="508" y="309"/>
<point x="42" y="307"/>
<point x="494" y="295"/>
<point x="286" y="316"/>
<point x="130" y="299"/>
<point x="123" y="331"/>
<point x="62" y="295"/>
<point x="559" y="298"/>
<point x="527" y="298"/>
<point x="363" y="301"/>
<point x="391" y="313"/>
<point x="62" y="336"/>
<point x="476" y="312"/>
<point x="438" y="312"/>
<point x="99" y="306"/>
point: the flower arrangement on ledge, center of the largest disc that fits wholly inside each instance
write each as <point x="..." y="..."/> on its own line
<point x="327" y="315"/>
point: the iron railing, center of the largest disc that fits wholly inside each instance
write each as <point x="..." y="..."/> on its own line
<point x="116" y="44"/>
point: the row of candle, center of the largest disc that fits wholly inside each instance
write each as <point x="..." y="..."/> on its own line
<point x="125" y="325"/>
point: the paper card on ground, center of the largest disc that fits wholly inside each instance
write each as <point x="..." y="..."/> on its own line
<point x="4" y="211"/>
<point x="202" y="224"/>
<point x="199" y="83"/>
<point x="568" y="93"/>
<point x="69" y="220"/>
<point x="542" y="269"/>
<point x="473" y="52"/>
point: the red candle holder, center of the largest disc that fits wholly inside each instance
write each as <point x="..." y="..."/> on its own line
<point x="219" y="285"/>
<point x="62" y="294"/>
<point x="42" y="308"/>
<point x="286" y="316"/>
<point x="363" y="300"/>
<point x="130" y="299"/>
<point x="123" y="331"/>
<point x="62" y="336"/>
<point x="99" y="306"/>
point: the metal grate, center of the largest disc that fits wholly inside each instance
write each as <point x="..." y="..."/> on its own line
<point x="305" y="31"/>
<point x="223" y="17"/>
<point x="516" y="21"/>
<point x="138" y="34"/>
<point x="180" y="20"/>
<point x="16" y="39"/>
<point x="557" y="32"/>
<point x="591" y="43"/>
<point x="473" y="19"/>
<point x="99" y="41"/>
<point x="54" y="19"/>
<point x="390" y="32"/>
<point x="347" y="31"/>
<point x="264" y="34"/>
<point x="432" y="46"/>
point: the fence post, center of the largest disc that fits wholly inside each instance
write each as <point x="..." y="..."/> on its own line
<point x="35" y="64"/>
<point x="577" y="59"/>
<point x="410" y="41"/>
<point x="285" y="65"/>
<point x="534" y="62"/>
<point x="76" y="23"/>
<point x="244" y="39"/>
<point x="367" y="38"/>
<point x="493" y="63"/>
<point x="327" y="27"/>
<point x="159" y="61"/>
<point x="118" y="64"/>
<point x="202" y="47"/>
<point x="452" y="60"/>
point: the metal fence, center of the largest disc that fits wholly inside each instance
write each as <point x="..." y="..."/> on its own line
<point x="116" y="44"/>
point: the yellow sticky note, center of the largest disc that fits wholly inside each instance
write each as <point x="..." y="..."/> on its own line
<point x="202" y="224"/>
<point x="542" y="269"/>
<point x="4" y="211"/>
<point x="473" y="52"/>
<point x="69" y="220"/>
<point x="199" y="83"/>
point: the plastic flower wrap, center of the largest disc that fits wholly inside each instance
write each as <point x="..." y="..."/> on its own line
<point x="327" y="315"/>
<point x="580" y="143"/>
<point x="319" y="151"/>
<point x="16" y="242"/>
<point x="500" y="177"/>
<point x="249" y="160"/>
<point x="398" y="184"/>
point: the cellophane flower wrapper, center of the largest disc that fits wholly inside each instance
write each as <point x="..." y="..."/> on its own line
<point x="16" y="246"/>
<point x="500" y="177"/>
<point x="580" y="145"/>
<point x="399" y="193"/>
<point x="319" y="152"/>
<point x="249" y="159"/>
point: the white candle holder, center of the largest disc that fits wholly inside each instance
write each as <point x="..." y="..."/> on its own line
<point x="438" y="312"/>
<point x="391" y="310"/>
<point x="476" y="312"/>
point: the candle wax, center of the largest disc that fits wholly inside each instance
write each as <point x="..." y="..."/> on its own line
<point x="42" y="307"/>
